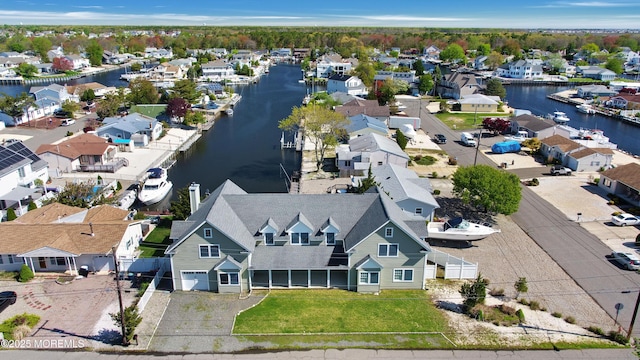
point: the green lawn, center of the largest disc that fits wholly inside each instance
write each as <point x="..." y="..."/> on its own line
<point x="338" y="311"/>
<point x="157" y="241"/>
<point x="149" y="110"/>
<point x="465" y="121"/>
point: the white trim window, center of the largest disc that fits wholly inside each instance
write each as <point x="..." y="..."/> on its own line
<point x="57" y="261"/>
<point x="369" y="277"/>
<point x="268" y="239"/>
<point x="209" y="251"/>
<point x="300" y="238"/>
<point x="388" y="232"/>
<point x="208" y="233"/>
<point x="330" y="238"/>
<point x="418" y="211"/>
<point x="388" y="250"/>
<point x="402" y="275"/>
<point x="12" y="258"/>
<point x="229" y="278"/>
<point x="1" y="261"/>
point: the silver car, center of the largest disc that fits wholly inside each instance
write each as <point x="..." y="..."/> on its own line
<point x="628" y="260"/>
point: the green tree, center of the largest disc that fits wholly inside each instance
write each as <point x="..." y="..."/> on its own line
<point x="110" y="104"/>
<point x="136" y="66"/>
<point x="131" y="320"/>
<point x="76" y="194"/>
<point x="181" y="208"/>
<point x="320" y="125"/>
<point x="426" y="84"/>
<point x="26" y="70"/>
<point x="194" y="117"/>
<point x="41" y="45"/>
<point x="88" y="95"/>
<point x="484" y="49"/>
<point x="32" y="206"/>
<point x="484" y="186"/>
<point x="367" y="183"/>
<point x="401" y="139"/>
<point x="473" y="292"/>
<point x="521" y="286"/>
<point x="25" y="274"/>
<point x="494" y="60"/>
<point x="386" y="94"/>
<point x="495" y="88"/>
<point x="17" y="106"/>
<point x="94" y="52"/>
<point x="615" y="64"/>
<point x="70" y="107"/>
<point x="11" y="214"/>
<point x="418" y="66"/>
<point x="185" y="89"/>
<point x="533" y="143"/>
<point x="366" y="72"/>
<point x="453" y="53"/>
<point x="142" y="91"/>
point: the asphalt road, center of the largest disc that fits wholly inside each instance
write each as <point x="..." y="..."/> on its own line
<point x="581" y="254"/>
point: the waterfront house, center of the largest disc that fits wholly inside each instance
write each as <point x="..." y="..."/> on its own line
<point x="217" y="70"/>
<point x="479" y="63"/>
<point x="155" y="53"/>
<point x="328" y="65"/>
<point x="366" y="151"/>
<point x="458" y="85"/>
<point x="362" y="124"/>
<point x="535" y="127"/>
<point x="235" y="242"/>
<point x="60" y="238"/>
<point x="54" y="93"/>
<point x="367" y="107"/>
<point x="20" y="169"/>
<point x="85" y="152"/>
<point x="479" y="103"/>
<point x="381" y="76"/>
<point x="140" y="128"/>
<point x="591" y="91"/>
<point x="431" y="52"/>
<point x="625" y="101"/>
<point x="595" y="72"/>
<point x="623" y="181"/>
<point x="559" y="148"/>
<point x="349" y="84"/>
<point x="166" y="72"/>
<point x="590" y="159"/>
<point x="78" y="61"/>
<point x="521" y="69"/>
<point x="98" y="89"/>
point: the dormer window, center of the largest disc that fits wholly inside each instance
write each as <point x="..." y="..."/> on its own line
<point x="268" y="238"/>
<point x="300" y="238"/>
<point x="331" y="238"/>
<point x="208" y="233"/>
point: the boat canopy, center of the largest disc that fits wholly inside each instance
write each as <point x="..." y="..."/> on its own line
<point x="456" y="223"/>
<point x="155" y="173"/>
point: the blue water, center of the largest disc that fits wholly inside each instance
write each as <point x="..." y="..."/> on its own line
<point x="534" y="98"/>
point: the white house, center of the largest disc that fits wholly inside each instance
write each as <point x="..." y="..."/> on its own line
<point x="521" y="69"/>
<point x="217" y="70"/>
<point x="328" y="65"/>
<point x="351" y="85"/>
<point x="369" y="150"/>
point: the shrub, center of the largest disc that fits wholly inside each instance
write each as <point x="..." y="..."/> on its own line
<point x="453" y="161"/>
<point x="496" y="292"/>
<point x="524" y="301"/>
<point x="506" y="309"/>
<point x="596" y="181"/>
<point x="556" y="314"/>
<point x="11" y="214"/>
<point x="542" y="308"/>
<point x="25" y="274"/>
<point x="618" y="337"/>
<point x="534" y="305"/>
<point x="534" y="182"/>
<point x="570" y="319"/>
<point x="616" y="213"/>
<point x="69" y="133"/>
<point x="520" y="315"/>
<point x="417" y="157"/>
<point x="32" y="206"/>
<point x="521" y="286"/>
<point x="118" y="186"/>
<point x="139" y="216"/>
<point x="21" y="331"/>
<point x="437" y="192"/>
<point x="131" y="320"/>
<point x="596" y="330"/>
<point x="480" y="315"/>
<point x="434" y="175"/>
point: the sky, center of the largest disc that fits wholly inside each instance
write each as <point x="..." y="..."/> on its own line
<point x="513" y="14"/>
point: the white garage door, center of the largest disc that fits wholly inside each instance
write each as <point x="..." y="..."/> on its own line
<point x="195" y="280"/>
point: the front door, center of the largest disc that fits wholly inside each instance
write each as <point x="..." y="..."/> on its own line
<point x="43" y="262"/>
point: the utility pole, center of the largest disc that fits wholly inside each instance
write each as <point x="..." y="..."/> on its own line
<point x="125" y="342"/>
<point x="633" y="318"/>
<point x="475" y="160"/>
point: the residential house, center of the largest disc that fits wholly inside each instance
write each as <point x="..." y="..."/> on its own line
<point x="368" y="150"/>
<point x="521" y="69"/>
<point x="590" y="159"/>
<point x="217" y="70"/>
<point x="54" y="93"/>
<point x="535" y="126"/>
<point x="140" y="128"/>
<point x="431" y="52"/>
<point x="458" y="85"/>
<point x="78" y="61"/>
<point x="20" y="169"/>
<point x="152" y="52"/>
<point x="381" y="76"/>
<point x="59" y="238"/>
<point x="351" y="85"/>
<point x="625" y="101"/>
<point x="301" y="53"/>
<point x="479" y="103"/>
<point x="479" y="63"/>
<point x="235" y="242"/>
<point x="411" y="193"/>
<point x="85" y="152"/>
<point x="166" y="71"/>
<point x="591" y="91"/>
<point x="99" y="90"/>
<point x="559" y="148"/>
<point x="366" y="107"/>
<point x="55" y="52"/>
<point x="11" y="62"/>
<point x="595" y="72"/>
<point x="328" y="65"/>
<point x="623" y="181"/>
<point x="362" y="124"/>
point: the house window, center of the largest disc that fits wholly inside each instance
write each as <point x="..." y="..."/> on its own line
<point x="57" y="261"/>
<point x="1" y="261"/>
<point x="208" y="233"/>
<point x="331" y="238"/>
<point x="129" y="243"/>
<point x="231" y="278"/>
<point x="388" y="232"/>
<point x="21" y="172"/>
<point x="418" y="211"/>
<point x="404" y="275"/>
<point x="379" y="163"/>
<point x="209" y="251"/>
<point x="268" y="238"/>
<point x="300" y="238"/>
<point x="607" y="182"/>
<point x="12" y="259"/>
<point x="347" y="163"/>
<point x="370" y="277"/>
<point x="387" y="250"/>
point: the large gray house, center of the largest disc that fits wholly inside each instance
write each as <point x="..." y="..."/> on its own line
<point x="235" y="242"/>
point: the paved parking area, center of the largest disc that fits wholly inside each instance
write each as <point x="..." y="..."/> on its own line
<point x="76" y="311"/>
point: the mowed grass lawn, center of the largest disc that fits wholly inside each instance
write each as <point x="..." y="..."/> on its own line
<point x="339" y="311"/>
<point x="465" y="121"/>
<point x="157" y="241"/>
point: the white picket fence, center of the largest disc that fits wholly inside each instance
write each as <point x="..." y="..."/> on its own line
<point x="165" y="266"/>
<point x="454" y="267"/>
<point x="141" y="264"/>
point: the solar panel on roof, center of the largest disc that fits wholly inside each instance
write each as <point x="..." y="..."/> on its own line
<point x="9" y="158"/>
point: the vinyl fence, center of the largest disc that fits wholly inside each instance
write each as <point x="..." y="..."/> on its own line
<point x="454" y="267"/>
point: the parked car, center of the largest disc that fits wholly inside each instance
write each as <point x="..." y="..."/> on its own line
<point x="7" y="298"/>
<point x="67" y="122"/>
<point x="625" y="219"/>
<point x="628" y="260"/>
<point x="560" y="170"/>
<point x="61" y="114"/>
<point x="439" y="139"/>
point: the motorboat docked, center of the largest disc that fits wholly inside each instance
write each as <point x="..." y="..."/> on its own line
<point x="229" y="111"/>
<point x="586" y="109"/>
<point x="560" y="117"/>
<point x="156" y="187"/>
<point x="459" y="229"/>
<point x="127" y="199"/>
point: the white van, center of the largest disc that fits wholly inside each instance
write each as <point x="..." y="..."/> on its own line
<point x="467" y="139"/>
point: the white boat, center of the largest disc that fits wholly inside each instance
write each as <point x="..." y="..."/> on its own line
<point x="156" y="187"/>
<point x="229" y="111"/>
<point x="560" y="117"/>
<point x="458" y="229"/>
<point x="519" y="137"/>
<point x="127" y="199"/>
<point x="586" y="109"/>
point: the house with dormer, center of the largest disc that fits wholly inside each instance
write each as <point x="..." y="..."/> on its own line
<point x="370" y="150"/>
<point x="349" y="84"/>
<point x="328" y="65"/>
<point x="431" y="52"/>
<point x="458" y="85"/>
<point x="521" y="69"/>
<point x="234" y="242"/>
<point x="217" y="70"/>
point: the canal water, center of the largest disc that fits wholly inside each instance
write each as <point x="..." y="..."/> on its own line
<point x="534" y="99"/>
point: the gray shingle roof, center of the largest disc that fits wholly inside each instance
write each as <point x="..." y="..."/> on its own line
<point x="402" y="183"/>
<point x="374" y="142"/>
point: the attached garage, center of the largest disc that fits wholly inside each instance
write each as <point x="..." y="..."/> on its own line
<point x="194" y="280"/>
